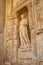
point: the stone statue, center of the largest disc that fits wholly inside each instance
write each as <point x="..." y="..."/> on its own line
<point x="25" y="42"/>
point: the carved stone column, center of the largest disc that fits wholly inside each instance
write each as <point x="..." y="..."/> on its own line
<point x="32" y="24"/>
<point x="15" y="39"/>
<point x="8" y="41"/>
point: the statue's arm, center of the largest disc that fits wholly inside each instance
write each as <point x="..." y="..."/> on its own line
<point x="26" y="22"/>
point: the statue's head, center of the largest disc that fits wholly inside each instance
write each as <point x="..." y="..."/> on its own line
<point x="22" y="16"/>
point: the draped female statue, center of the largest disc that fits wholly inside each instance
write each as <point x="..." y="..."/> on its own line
<point x="25" y="42"/>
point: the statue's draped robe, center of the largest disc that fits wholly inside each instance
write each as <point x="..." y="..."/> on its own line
<point x="25" y="42"/>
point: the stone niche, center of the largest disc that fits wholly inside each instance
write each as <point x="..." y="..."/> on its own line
<point x="23" y="56"/>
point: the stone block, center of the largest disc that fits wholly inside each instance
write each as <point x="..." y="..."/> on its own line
<point x="24" y="56"/>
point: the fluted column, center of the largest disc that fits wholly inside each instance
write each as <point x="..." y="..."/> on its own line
<point x="8" y="34"/>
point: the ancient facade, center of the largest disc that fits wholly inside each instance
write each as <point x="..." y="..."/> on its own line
<point x="23" y="32"/>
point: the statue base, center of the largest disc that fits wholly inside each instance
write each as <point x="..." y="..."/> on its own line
<point x="24" y="56"/>
<point x="7" y="63"/>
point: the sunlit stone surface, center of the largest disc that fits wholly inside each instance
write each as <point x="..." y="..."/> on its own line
<point x="21" y="37"/>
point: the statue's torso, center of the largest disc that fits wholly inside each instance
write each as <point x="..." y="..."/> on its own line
<point x="23" y="24"/>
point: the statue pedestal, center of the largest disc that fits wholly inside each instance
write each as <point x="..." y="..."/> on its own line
<point x="7" y="63"/>
<point x="24" y="56"/>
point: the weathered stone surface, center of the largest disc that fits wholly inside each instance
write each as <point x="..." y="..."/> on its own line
<point x="2" y="15"/>
<point x="14" y="54"/>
